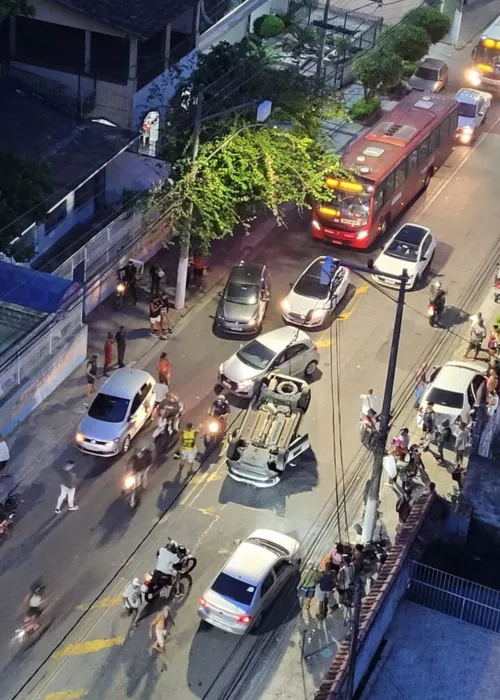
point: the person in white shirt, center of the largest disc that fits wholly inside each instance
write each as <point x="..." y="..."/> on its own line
<point x="132" y="600"/>
<point x="4" y="453"/>
<point x="166" y="561"/>
<point x="369" y="402"/>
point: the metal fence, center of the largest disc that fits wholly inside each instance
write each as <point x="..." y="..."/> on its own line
<point x="45" y="342"/>
<point x="455" y="596"/>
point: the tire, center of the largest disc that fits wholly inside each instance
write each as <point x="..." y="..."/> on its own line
<point x="126" y="445"/>
<point x="119" y="302"/>
<point x="185" y="585"/>
<point x="311" y="368"/>
<point x="287" y="388"/>
<point x="383" y="227"/>
<point x="132" y="500"/>
<point x="190" y="565"/>
<point x="304" y="400"/>
<point x="427" y="180"/>
<point x="258" y="621"/>
<point x="204" y="626"/>
<point x="431" y="321"/>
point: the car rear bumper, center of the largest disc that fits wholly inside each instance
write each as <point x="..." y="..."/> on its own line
<point x="212" y="618"/>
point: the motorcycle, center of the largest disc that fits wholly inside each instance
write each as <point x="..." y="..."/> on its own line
<point x="121" y="290"/>
<point x="6" y="526"/>
<point x="432" y="314"/>
<point x="31" y="628"/>
<point x="9" y="503"/>
<point x="368" y="431"/>
<point x="154" y="584"/>
<point x="215" y="432"/>
<point x="133" y="484"/>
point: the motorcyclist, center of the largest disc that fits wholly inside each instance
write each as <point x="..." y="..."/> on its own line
<point x="220" y="409"/>
<point x="167" y="564"/>
<point x="35" y="602"/>
<point x="437" y="296"/>
<point x="139" y="463"/>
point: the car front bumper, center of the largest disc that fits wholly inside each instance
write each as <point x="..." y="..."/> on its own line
<point x="99" y="448"/>
<point x="393" y="284"/>
<point x="236" y="327"/>
<point x="235" y="388"/>
<point x="297" y="320"/>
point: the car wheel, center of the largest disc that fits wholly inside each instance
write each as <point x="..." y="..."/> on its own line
<point x="427" y="180"/>
<point x="383" y="227"/>
<point x="257" y="622"/>
<point x="204" y="626"/>
<point x="126" y="444"/>
<point x="311" y="368"/>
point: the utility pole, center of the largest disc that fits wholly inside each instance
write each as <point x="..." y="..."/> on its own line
<point x="457" y="23"/>
<point x="182" y="270"/>
<point x="353" y="642"/>
<point x="321" y="48"/>
<point x="371" y="510"/>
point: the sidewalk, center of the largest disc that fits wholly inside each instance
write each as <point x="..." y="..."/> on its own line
<point x="45" y="435"/>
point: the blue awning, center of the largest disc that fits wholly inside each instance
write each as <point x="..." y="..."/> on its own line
<point x="34" y="290"/>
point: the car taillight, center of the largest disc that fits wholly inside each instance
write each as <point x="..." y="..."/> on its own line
<point x="244" y="619"/>
<point x="203" y="603"/>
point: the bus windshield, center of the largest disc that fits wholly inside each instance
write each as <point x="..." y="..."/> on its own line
<point x="349" y="201"/>
<point x="487" y="55"/>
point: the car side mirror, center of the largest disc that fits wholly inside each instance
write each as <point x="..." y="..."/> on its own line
<point x="291" y="285"/>
<point x="481" y="113"/>
<point x="220" y="294"/>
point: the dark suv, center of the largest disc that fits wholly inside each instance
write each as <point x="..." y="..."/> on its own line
<point x="244" y="301"/>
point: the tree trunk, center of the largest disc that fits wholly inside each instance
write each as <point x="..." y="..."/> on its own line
<point x="182" y="270"/>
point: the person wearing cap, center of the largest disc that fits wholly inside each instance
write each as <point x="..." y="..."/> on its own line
<point x="68" y="487"/>
<point x="132" y="600"/>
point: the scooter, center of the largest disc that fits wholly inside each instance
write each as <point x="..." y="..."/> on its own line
<point x="133" y="484"/>
<point x="215" y="432"/>
<point x="368" y="431"/>
<point x="121" y="290"/>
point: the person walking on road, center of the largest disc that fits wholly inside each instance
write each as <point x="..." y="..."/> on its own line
<point x="477" y="335"/>
<point x="494" y="342"/>
<point x="369" y="403"/>
<point x="198" y="269"/>
<point x="156" y="328"/>
<point x="4" y="453"/>
<point x="108" y="354"/>
<point x="91" y="372"/>
<point x="121" y="344"/>
<point x="461" y="442"/>
<point x="404" y="505"/>
<point x="158" y="630"/>
<point x="188" y="447"/>
<point x="345" y="581"/>
<point x="164" y="369"/>
<point x="68" y="487"/>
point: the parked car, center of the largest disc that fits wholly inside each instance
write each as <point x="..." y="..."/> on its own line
<point x="287" y="350"/>
<point x="243" y="303"/>
<point x="453" y="391"/>
<point x="473" y="110"/>
<point x="310" y="300"/>
<point x="249" y="582"/>
<point x="430" y="76"/>
<point x="412" y="249"/>
<point x="118" y="411"/>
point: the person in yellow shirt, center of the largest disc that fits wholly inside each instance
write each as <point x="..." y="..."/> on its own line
<point x="188" y="446"/>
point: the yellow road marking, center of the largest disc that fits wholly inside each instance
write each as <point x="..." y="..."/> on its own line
<point x="362" y="289"/>
<point x="88" y="647"/>
<point x="214" y="477"/>
<point x="109" y="602"/>
<point x="207" y="511"/>
<point x="66" y="695"/>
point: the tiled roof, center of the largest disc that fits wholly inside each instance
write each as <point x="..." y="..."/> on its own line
<point x="420" y="528"/>
<point x="138" y="18"/>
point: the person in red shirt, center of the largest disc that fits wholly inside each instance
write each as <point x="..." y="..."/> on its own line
<point x="108" y="354"/>
<point x="198" y="269"/>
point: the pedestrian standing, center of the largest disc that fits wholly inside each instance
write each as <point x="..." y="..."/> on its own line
<point x="165" y="312"/>
<point x="121" y="344"/>
<point x="324" y="590"/>
<point x="198" y="269"/>
<point x="477" y="335"/>
<point x="68" y="487"/>
<point x="91" y="372"/>
<point x="461" y="441"/>
<point x="164" y="369"/>
<point x="188" y="447"/>
<point x="4" y="453"/>
<point x="443" y="436"/>
<point x="403" y="507"/>
<point x="493" y="342"/>
<point x="420" y="383"/>
<point x="307" y="585"/>
<point x="428" y="425"/>
<point x="108" y="354"/>
<point x="155" y="276"/>
<point x="156" y="329"/>
<point x="492" y="382"/>
<point x="345" y="581"/>
<point x="158" y="630"/>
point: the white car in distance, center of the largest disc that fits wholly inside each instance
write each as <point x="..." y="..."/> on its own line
<point x="312" y="297"/>
<point x="412" y="249"/>
<point x="472" y="112"/>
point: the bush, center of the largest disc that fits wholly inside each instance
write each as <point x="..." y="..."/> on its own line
<point x="409" y="67"/>
<point x="410" y="41"/>
<point x="377" y="70"/>
<point x="435" y="23"/>
<point x="268" y="26"/>
<point x="363" y="109"/>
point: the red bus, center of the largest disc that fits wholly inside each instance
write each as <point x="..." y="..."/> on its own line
<point x="392" y="163"/>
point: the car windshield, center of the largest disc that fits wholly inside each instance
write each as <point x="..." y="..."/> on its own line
<point x="233" y="588"/>
<point x="402" y="251"/>
<point x="247" y="294"/>
<point x="108" y="408"/>
<point x="309" y="286"/>
<point x="256" y="355"/>
<point x="426" y="73"/>
<point x="443" y="397"/>
<point x="467" y="110"/>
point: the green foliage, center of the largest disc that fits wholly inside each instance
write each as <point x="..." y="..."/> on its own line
<point x="377" y="70"/>
<point x="23" y="186"/>
<point x="268" y="26"/>
<point x="233" y="174"/>
<point x="10" y="8"/>
<point x="363" y="109"/>
<point x="409" y="67"/>
<point x="288" y="19"/>
<point x="301" y="42"/>
<point x="409" y="41"/>
<point x="435" y="23"/>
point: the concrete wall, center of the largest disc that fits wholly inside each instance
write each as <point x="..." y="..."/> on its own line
<point x="19" y="406"/>
<point x="73" y="217"/>
<point x="134" y="172"/>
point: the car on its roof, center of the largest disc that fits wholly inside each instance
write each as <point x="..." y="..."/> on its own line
<point x="316" y="293"/>
<point x="430" y="76"/>
<point x="287" y="350"/>
<point x="118" y="411"/>
<point x="249" y="581"/>
<point x="412" y="249"/>
<point x="244" y="300"/>
<point x="453" y="391"/>
<point x="473" y="109"/>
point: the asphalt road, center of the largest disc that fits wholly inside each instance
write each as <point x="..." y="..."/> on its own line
<point x="91" y="554"/>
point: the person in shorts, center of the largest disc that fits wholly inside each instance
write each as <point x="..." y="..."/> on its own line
<point x="307" y="586"/>
<point x="188" y="446"/>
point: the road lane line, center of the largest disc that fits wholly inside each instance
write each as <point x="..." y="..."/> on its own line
<point x="66" y="695"/>
<point x="89" y="647"/>
<point x="109" y="602"/>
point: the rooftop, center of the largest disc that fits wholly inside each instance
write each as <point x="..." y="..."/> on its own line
<point x="431" y="656"/>
<point x="37" y="291"/>
<point x="138" y="18"/>
<point x="74" y="150"/>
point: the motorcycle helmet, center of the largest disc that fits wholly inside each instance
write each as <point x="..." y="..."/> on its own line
<point x="171" y="401"/>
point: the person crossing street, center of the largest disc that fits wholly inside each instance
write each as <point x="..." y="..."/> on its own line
<point x="68" y="487"/>
<point x="188" y="447"/>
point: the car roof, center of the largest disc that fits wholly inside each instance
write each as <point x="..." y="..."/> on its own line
<point x="125" y="382"/>
<point x="247" y="272"/>
<point x="412" y="234"/>
<point x="468" y="96"/>
<point x="432" y="63"/>
<point x="456" y="376"/>
<point x="280" y="338"/>
<point x="250" y="563"/>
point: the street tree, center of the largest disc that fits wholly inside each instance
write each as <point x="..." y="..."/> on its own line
<point x="23" y="187"/>
<point x="409" y="41"/>
<point x="377" y="70"/>
<point x="240" y="172"/>
<point x="433" y="21"/>
<point x="10" y="8"/>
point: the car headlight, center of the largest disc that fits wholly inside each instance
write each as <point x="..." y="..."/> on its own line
<point x="474" y="77"/>
<point x="361" y="235"/>
<point x="285" y="305"/>
<point x="221" y="368"/>
<point x="79" y="437"/>
<point x="467" y="130"/>
<point x="112" y="443"/>
<point x="317" y="314"/>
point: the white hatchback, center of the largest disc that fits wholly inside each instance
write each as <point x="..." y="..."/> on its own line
<point x="412" y="249"/>
<point x="472" y="112"/>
